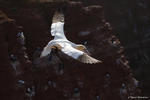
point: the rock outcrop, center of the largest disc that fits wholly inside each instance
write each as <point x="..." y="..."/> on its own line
<point x="130" y="20"/>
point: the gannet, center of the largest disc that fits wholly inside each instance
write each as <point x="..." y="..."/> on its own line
<point x="76" y="51"/>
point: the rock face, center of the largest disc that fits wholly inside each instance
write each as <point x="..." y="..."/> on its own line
<point x="14" y="63"/>
<point x="57" y="77"/>
<point x="130" y="20"/>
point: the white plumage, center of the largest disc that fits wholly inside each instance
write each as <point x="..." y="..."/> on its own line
<point x="78" y="52"/>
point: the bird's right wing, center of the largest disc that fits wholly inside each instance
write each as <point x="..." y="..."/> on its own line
<point x="46" y="50"/>
<point x="48" y="47"/>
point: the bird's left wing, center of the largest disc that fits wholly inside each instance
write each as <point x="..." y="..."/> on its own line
<point x="82" y="48"/>
<point x="70" y="51"/>
<point x="79" y="55"/>
<point x="85" y="58"/>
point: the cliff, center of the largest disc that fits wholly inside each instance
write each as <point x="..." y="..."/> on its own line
<point x="59" y="77"/>
<point x="130" y="21"/>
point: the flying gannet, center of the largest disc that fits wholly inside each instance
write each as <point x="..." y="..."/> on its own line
<point x="60" y="42"/>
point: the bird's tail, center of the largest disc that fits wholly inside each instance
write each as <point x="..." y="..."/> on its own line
<point x="58" y="17"/>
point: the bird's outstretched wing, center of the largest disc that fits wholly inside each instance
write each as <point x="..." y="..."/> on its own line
<point x="46" y="51"/>
<point x="85" y="58"/>
<point x="79" y="55"/>
<point x="82" y="48"/>
<point x="48" y="47"/>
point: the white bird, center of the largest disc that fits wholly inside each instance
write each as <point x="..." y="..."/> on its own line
<point x="76" y="51"/>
